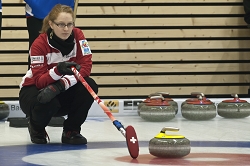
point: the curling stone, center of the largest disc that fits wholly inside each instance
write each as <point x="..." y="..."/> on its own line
<point x="157" y="110"/>
<point x="234" y="108"/>
<point x="169" y="146"/>
<point x="195" y="94"/>
<point x="199" y="110"/>
<point x="147" y="100"/>
<point x="169" y="100"/>
<point x="4" y="110"/>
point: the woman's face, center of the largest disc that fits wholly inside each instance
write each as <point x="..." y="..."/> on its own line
<point x="63" y="25"/>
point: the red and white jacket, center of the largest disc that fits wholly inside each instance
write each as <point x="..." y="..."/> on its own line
<point x="44" y="59"/>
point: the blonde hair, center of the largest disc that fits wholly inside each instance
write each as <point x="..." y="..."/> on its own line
<point x="53" y="14"/>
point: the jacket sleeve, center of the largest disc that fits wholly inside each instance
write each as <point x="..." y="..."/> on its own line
<point x="36" y="4"/>
<point x="40" y="10"/>
<point x="84" y="54"/>
<point x="42" y="75"/>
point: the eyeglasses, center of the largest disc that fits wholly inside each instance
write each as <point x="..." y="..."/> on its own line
<point x="62" y="25"/>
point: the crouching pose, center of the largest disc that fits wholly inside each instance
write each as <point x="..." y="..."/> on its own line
<point x="49" y="88"/>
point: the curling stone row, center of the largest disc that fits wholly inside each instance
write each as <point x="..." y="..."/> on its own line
<point x="199" y="108"/>
<point x="169" y="146"/>
<point x="234" y="108"/>
<point x="156" y="110"/>
<point x="158" y="107"/>
<point x="206" y="109"/>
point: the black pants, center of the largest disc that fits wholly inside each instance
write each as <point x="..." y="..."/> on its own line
<point x="34" y="25"/>
<point x="74" y="102"/>
<point x="246" y="4"/>
<point x="0" y="23"/>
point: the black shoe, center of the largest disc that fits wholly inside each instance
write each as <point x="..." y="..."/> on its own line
<point x="73" y="137"/>
<point x="37" y="137"/>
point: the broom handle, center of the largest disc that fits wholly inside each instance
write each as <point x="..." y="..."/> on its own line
<point x="93" y="94"/>
<point x="75" y="8"/>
